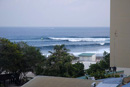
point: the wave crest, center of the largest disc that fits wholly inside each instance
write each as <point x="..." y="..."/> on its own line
<point x="81" y="39"/>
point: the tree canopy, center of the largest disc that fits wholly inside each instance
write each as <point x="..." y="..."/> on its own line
<point x="59" y="64"/>
<point x="18" y="57"/>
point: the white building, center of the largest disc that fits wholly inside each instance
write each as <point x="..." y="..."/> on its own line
<point x="87" y="57"/>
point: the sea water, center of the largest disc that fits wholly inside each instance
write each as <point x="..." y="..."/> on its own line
<point x="77" y="39"/>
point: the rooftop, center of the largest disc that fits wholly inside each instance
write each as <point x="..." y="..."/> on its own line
<point x="48" y="81"/>
<point x="110" y="82"/>
<point x="86" y="54"/>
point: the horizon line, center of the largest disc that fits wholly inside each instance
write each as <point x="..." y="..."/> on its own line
<point x="52" y="27"/>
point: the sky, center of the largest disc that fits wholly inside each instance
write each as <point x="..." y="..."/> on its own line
<point x="54" y="13"/>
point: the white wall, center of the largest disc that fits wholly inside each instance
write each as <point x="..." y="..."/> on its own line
<point x="85" y="58"/>
<point x="94" y="57"/>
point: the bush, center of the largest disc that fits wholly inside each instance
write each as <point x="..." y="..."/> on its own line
<point x="117" y="76"/>
<point x="98" y="75"/>
<point x="112" y="75"/>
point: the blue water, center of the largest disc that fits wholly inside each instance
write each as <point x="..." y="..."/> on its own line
<point x="77" y="39"/>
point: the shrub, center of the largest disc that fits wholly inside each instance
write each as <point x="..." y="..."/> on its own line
<point x="117" y="76"/>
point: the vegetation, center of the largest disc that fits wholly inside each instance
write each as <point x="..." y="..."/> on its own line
<point x="98" y="70"/>
<point x="59" y="64"/>
<point x="19" y="58"/>
<point x="117" y="76"/>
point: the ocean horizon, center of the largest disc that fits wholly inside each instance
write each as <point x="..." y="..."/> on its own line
<point x="77" y="39"/>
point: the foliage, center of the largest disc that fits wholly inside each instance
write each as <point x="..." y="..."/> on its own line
<point x="98" y="74"/>
<point x="93" y="68"/>
<point x="59" y="64"/>
<point x="98" y="70"/>
<point x="9" y="54"/>
<point x="117" y="76"/>
<point x="78" y="69"/>
<point x="111" y="75"/>
<point x="108" y="76"/>
<point x="18" y="57"/>
<point x="31" y="57"/>
<point x="21" y="58"/>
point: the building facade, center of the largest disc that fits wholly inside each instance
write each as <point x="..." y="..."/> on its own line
<point x="120" y="34"/>
<point x="87" y="57"/>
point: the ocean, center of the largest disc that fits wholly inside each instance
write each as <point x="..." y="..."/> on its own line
<point x="77" y="39"/>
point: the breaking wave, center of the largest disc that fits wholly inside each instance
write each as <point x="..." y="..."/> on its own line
<point x="81" y="39"/>
<point x="72" y="45"/>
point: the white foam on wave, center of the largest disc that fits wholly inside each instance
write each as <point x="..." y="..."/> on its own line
<point x="47" y="45"/>
<point x="81" y="39"/>
<point x="101" y="51"/>
<point x="102" y="43"/>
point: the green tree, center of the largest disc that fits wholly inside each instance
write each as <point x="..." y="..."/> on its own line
<point x="18" y="57"/>
<point x="98" y="70"/>
<point x="10" y="56"/>
<point x="59" y="64"/>
<point x="31" y="57"/>
<point x="78" y="69"/>
<point x="93" y="68"/>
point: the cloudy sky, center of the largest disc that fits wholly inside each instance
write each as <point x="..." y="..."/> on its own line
<point x="55" y="13"/>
